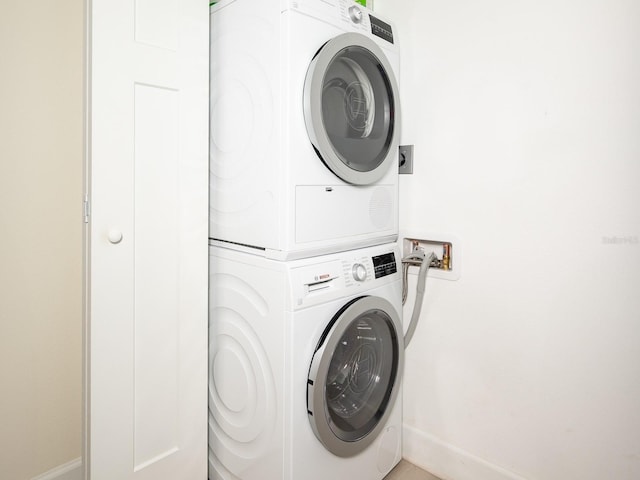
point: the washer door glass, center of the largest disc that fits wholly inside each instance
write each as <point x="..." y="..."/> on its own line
<point x="353" y="378"/>
<point x="351" y="108"/>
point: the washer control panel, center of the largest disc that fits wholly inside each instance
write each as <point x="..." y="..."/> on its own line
<point x="359" y="272"/>
<point x="357" y="269"/>
<point x="384" y="265"/>
<point x="315" y="281"/>
<point x="369" y="268"/>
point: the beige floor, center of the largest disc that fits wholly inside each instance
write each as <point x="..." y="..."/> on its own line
<point x="407" y="471"/>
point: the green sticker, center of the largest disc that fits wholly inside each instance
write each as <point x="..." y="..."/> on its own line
<point x="362" y="2"/>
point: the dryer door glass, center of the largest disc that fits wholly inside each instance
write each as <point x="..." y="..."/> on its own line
<point x="354" y="376"/>
<point x="351" y="109"/>
<point x="357" y="109"/>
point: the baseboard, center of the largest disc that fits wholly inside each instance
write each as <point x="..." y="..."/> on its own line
<point x="449" y="462"/>
<point x="69" y="471"/>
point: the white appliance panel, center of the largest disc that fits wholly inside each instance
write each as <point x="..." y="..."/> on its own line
<point x="266" y="319"/>
<point x="261" y="155"/>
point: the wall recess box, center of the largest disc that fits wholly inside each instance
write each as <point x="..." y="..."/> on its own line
<point x="434" y="242"/>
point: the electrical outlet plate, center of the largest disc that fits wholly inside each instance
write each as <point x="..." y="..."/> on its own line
<point x="405" y="159"/>
<point x="432" y="242"/>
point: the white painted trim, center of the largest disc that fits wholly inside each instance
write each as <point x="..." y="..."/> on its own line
<point x="69" y="471"/>
<point x="447" y="461"/>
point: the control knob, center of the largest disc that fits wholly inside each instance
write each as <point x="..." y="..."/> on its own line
<point x="359" y="272"/>
<point x="356" y="14"/>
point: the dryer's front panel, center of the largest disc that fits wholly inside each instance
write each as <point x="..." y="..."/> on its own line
<point x="351" y="108"/>
<point x="354" y="375"/>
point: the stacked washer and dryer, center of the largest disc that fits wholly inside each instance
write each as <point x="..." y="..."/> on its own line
<point x="305" y="331"/>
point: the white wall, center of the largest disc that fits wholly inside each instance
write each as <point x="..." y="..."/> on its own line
<point x="41" y="236"/>
<point x="526" y="122"/>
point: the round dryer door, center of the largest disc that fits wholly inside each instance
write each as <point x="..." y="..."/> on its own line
<point x="355" y="375"/>
<point x="351" y="108"/>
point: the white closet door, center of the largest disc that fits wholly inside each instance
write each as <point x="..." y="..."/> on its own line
<point x="147" y="243"/>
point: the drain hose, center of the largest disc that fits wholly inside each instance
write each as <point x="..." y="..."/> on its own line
<point x="415" y="259"/>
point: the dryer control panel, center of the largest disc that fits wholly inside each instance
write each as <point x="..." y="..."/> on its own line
<point x="381" y="29"/>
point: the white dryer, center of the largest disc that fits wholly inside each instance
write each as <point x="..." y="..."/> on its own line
<point x="304" y="127"/>
<point x="306" y="359"/>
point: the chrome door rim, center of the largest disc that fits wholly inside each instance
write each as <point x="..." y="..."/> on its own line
<point x="313" y="89"/>
<point x="316" y="404"/>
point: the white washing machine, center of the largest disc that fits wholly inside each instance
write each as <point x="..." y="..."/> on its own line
<point x="304" y="127"/>
<point x="306" y="359"/>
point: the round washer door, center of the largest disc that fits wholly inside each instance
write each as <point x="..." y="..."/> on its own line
<point x="354" y="377"/>
<point x="351" y="108"/>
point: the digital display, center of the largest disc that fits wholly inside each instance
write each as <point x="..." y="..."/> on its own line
<point x="384" y="265"/>
<point x="381" y="29"/>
